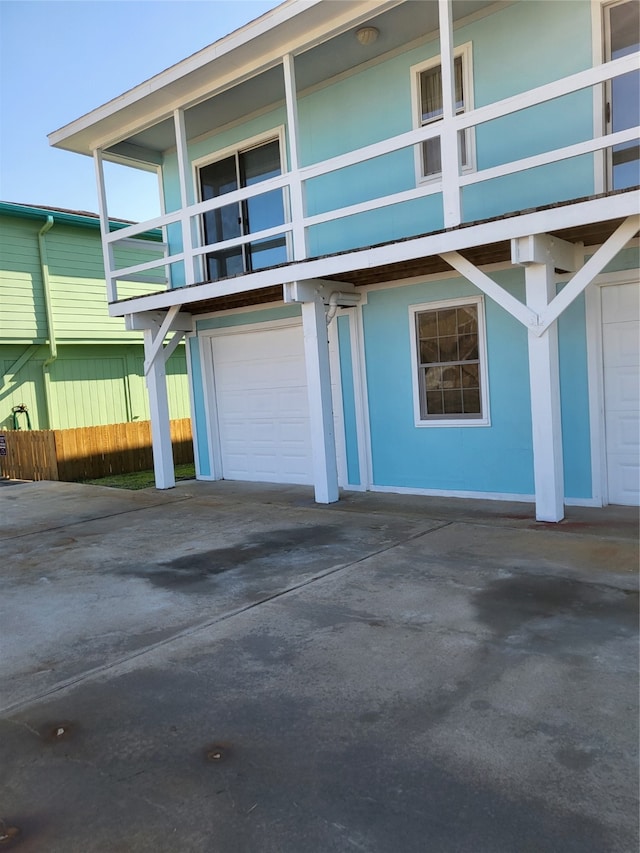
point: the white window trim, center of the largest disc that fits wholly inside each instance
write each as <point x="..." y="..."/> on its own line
<point x="465" y="51"/>
<point x="483" y="421"/>
<point x="238" y="148"/>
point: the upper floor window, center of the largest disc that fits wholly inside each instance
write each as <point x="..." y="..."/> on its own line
<point x="450" y="386"/>
<point x="242" y="169"/>
<point x="622" y="37"/>
<point x="428" y="108"/>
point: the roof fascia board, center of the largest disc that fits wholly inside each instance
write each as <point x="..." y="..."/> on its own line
<point x="352" y="13"/>
<point x="24" y="211"/>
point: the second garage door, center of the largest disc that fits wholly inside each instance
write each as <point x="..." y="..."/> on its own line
<point x="261" y="404"/>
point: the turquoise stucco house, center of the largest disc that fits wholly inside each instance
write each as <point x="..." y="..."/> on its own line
<point x="61" y="355"/>
<point x="401" y="245"/>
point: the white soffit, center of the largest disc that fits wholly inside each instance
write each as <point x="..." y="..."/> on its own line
<point x="243" y="53"/>
<point x="318" y="30"/>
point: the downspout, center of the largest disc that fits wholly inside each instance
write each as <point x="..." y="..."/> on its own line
<point x="339" y="299"/>
<point x="51" y="336"/>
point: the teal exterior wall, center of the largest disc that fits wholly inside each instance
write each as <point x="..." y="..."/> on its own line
<point x="97" y="377"/>
<point x="495" y="458"/>
<point x="513" y="50"/>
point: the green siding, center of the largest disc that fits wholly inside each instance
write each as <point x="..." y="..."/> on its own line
<point x="98" y="376"/>
<point x="22" y="310"/>
<point x="89" y="385"/>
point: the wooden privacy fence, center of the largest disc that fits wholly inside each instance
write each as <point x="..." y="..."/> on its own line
<point x="87" y="452"/>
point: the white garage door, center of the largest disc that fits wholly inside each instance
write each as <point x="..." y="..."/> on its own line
<point x="621" y="354"/>
<point x="262" y="406"/>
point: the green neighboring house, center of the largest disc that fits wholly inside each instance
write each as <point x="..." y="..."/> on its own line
<point x="61" y="354"/>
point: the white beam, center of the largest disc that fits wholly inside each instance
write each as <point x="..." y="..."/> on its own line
<point x="323" y="446"/>
<point x="182" y="322"/>
<point x="491" y="289"/>
<point x="297" y="192"/>
<point x="589" y="271"/>
<point x="157" y="340"/>
<point x="107" y="247"/>
<point x="544" y="249"/>
<point x="315" y="288"/>
<point x="544" y="383"/>
<point x="159" y="411"/>
<point x="170" y="348"/>
<point x="566" y="216"/>
<point x="449" y="138"/>
<point x="187" y="197"/>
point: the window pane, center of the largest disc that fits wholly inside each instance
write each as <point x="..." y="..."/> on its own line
<point x="468" y="347"/>
<point x="433" y="378"/>
<point x="428" y="324"/>
<point x="429" y="351"/>
<point x="260" y="163"/>
<point x="431" y="94"/>
<point x="447" y="323"/>
<point x="267" y="253"/>
<point x="467" y="319"/>
<point x="449" y="349"/>
<point x="471" y="402"/>
<point x="470" y="375"/>
<point x="435" y="405"/>
<point x="452" y="402"/>
<point x="223" y="264"/>
<point x="624" y="20"/>
<point x="451" y="377"/>
<point x="431" y="159"/>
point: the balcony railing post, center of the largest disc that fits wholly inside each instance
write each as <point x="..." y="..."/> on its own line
<point x="449" y="137"/>
<point x="297" y="199"/>
<point x="187" y="198"/>
<point x="107" y="247"/>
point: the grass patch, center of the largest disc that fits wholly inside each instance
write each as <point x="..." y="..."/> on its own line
<point x="141" y="479"/>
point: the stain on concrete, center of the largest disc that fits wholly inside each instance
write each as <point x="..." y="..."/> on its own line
<point x="508" y="603"/>
<point x="575" y="758"/>
<point x="256" y="553"/>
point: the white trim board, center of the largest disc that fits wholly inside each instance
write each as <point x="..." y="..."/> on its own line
<point x="484" y="496"/>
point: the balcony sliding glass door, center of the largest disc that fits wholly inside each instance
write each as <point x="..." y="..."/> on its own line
<point x="243" y="169"/>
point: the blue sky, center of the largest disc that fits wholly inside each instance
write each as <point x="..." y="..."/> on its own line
<point x="60" y="59"/>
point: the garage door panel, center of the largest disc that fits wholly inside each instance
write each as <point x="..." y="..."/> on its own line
<point x="623" y="434"/>
<point x="622" y="389"/>
<point x="262" y="405"/>
<point x="621" y="361"/>
<point x="620" y="302"/>
<point x="621" y="344"/>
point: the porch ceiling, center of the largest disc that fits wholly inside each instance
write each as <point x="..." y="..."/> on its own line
<point x="590" y="234"/>
<point x="242" y="72"/>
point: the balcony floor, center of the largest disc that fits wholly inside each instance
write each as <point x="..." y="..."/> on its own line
<point x="494" y="252"/>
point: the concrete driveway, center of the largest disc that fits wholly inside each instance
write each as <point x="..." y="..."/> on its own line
<point x="231" y="668"/>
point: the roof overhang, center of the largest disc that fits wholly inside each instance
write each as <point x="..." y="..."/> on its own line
<point x="295" y="27"/>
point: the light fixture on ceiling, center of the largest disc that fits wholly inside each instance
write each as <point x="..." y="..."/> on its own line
<point x="367" y="35"/>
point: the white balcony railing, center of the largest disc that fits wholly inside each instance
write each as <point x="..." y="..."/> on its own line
<point x="292" y="183"/>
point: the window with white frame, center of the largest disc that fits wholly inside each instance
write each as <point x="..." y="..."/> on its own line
<point x="243" y="168"/>
<point x="622" y="107"/>
<point x="450" y="376"/>
<point x="428" y="108"/>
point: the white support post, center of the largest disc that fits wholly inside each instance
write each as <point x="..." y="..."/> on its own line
<point x="544" y="382"/>
<point x="449" y="138"/>
<point x="191" y="263"/>
<point x="159" y="410"/>
<point x="107" y="248"/>
<point x="297" y="196"/>
<point x="323" y="445"/>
